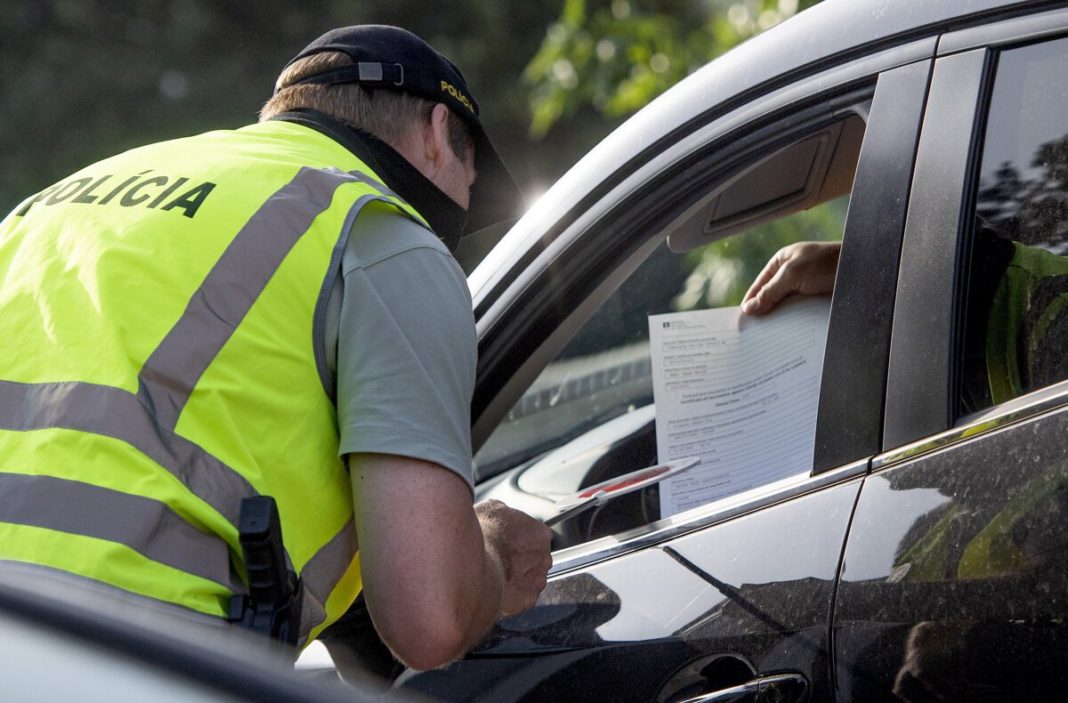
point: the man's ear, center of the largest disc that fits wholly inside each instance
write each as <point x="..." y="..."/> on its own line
<point x="436" y="136"/>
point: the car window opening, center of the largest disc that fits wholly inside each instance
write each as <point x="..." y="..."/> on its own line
<point x="590" y="415"/>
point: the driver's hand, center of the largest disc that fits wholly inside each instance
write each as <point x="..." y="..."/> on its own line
<point x="803" y="268"/>
<point x="522" y="547"/>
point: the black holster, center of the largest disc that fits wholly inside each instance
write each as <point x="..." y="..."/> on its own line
<point x="272" y="606"/>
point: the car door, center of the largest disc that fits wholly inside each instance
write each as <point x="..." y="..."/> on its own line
<point x="737" y="592"/>
<point x="954" y="582"/>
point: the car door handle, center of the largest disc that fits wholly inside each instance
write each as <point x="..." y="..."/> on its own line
<point x="777" y="688"/>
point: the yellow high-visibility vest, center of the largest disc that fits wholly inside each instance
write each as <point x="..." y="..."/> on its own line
<point x="160" y="312"/>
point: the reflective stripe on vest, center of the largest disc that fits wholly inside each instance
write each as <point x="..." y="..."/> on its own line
<point x="320" y="575"/>
<point x="150" y="419"/>
<point x="146" y="526"/>
<point x="112" y="412"/>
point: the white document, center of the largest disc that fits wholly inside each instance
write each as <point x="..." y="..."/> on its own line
<point x="740" y="392"/>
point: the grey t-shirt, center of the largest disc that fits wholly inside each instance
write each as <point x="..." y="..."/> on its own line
<point x="400" y="339"/>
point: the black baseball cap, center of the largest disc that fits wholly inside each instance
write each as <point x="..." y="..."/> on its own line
<point x="392" y="58"/>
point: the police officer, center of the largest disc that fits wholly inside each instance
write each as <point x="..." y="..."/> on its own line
<point x="272" y="310"/>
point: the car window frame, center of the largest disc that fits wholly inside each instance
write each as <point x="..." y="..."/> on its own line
<point x="615" y="243"/>
<point x="919" y="400"/>
<point x="898" y="73"/>
<point x="528" y="288"/>
<point x="927" y="342"/>
<point x="884" y="173"/>
<point x="850" y="419"/>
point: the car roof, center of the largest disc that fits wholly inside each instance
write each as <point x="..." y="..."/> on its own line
<point x="831" y="32"/>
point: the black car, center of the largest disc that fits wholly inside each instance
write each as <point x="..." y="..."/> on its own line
<point x="922" y="552"/>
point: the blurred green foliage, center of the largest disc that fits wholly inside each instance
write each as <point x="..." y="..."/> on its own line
<point x="617" y="55"/>
<point x="83" y="79"/>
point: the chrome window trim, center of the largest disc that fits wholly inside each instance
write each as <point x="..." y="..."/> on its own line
<point x="589" y="553"/>
<point x="1042" y="401"/>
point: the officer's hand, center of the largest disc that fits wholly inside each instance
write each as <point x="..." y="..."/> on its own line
<point x="803" y="268"/>
<point x="521" y="546"/>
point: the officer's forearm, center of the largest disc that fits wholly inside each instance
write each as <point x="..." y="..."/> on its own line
<point x="431" y="587"/>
